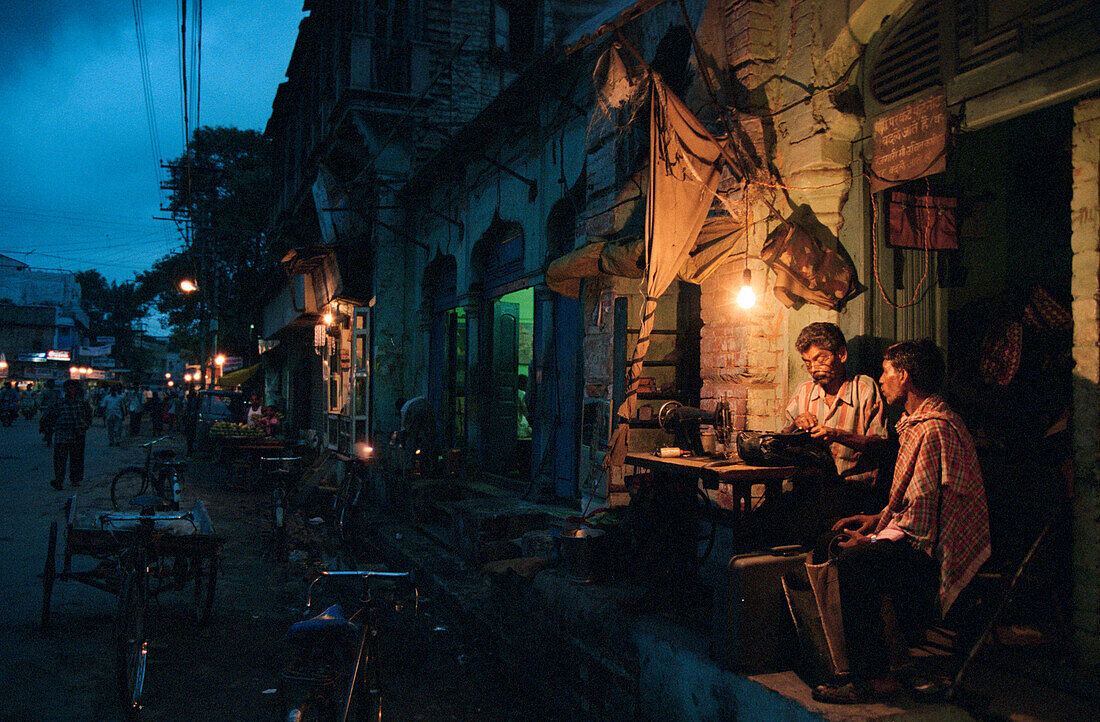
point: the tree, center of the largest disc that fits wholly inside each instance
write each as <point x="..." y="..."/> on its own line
<point x="112" y="309"/>
<point x="224" y="187"/>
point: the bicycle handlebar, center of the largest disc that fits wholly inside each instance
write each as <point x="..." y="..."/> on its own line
<point x="155" y="441"/>
<point x="364" y="575"/>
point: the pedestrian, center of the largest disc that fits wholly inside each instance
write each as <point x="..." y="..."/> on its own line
<point x="49" y="398"/>
<point x="70" y="419"/>
<point x="112" y="416"/>
<point x="191" y="417"/>
<point x="135" y="402"/>
<point x="156" y="413"/>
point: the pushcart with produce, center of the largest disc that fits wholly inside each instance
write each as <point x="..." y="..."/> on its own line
<point x="240" y="447"/>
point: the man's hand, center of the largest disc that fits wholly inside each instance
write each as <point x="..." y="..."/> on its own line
<point x="805" y="421"/>
<point x="860" y="524"/>
<point x="825" y="433"/>
<point x="853" y="538"/>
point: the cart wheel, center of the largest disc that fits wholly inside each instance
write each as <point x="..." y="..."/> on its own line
<point x="206" y="579"/>
<point x="49" y="573"/>
<point x="131" y="645"/>
<point x="127" y="484"/>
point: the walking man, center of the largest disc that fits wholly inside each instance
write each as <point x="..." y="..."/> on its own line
<point x="135" y="403"/>
<point x="112" y="416"/>
<point x="70" y="419"/>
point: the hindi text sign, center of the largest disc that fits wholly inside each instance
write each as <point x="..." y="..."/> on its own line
<point x="909" y="142"/>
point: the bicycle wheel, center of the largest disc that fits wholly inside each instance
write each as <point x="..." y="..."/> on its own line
<point x="347" y="509"/>
<point x="130" y="642"/>
<point x="206" y="580"/>
<point x="127" y="484"/>
<point x="49" y="573"/>
<point x="278" y="522"/>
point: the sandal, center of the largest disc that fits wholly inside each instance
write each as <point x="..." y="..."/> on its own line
<point x="854" y="692"/>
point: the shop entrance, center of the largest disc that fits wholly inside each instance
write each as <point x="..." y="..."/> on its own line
<point x="509" y="422"/>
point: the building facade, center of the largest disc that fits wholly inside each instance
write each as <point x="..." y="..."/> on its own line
<point x="939" y="158"/>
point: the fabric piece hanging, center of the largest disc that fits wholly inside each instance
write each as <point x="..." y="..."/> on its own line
<point x="684" y="174"/>
<point x="923" y="222"/>
<point x="807" y="271"/>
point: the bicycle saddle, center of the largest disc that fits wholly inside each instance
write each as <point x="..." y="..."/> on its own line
<point x="328" y="625"/>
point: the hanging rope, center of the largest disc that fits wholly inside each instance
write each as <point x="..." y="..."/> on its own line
<point x="925" y="222"/>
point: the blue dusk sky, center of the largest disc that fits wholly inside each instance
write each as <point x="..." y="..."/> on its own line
<point x="79" y="179"/>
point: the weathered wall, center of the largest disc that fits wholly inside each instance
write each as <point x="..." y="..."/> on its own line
<point x="1086" y="398"/>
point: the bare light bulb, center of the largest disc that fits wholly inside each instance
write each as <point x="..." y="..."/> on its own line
<point x="746" y="297"/>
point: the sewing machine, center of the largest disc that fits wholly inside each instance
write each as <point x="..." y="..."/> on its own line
<point x="683" y="423"/>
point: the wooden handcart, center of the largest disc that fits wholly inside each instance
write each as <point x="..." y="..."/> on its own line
<point x="240" y="455"/>
<point x="185" y="551"/>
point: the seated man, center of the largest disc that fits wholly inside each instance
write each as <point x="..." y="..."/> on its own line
<point x="845" y="412"/>
<point x="931" y="537"/>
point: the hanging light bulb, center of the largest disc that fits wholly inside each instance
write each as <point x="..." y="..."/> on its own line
<point x="746" y="297"/>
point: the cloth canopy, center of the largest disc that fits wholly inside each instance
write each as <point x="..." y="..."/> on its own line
<point x="684" y="172"/>
<point x="238" y="377"/>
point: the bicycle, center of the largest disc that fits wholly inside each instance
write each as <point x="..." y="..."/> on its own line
<point x="332" y="668"/>
<point x="144" y="539"/>
<point x="346" y="509"/>
<point x="283" y="472"/>
<point x="159" y="474"/>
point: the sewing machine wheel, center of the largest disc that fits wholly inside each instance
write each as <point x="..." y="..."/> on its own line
<point x="664" y="415"/>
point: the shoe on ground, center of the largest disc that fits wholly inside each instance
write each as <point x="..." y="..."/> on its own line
<point x="854" y="692"/>
<point x="857" y="691"/>
<point x="57" y="485"/>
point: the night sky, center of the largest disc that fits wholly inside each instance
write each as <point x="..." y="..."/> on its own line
<point x="78" y="172"/>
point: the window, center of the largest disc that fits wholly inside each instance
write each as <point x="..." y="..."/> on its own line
<point x="514" y="28"/>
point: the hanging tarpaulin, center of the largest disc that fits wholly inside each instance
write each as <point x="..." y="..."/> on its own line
<point x="683" y="177"/>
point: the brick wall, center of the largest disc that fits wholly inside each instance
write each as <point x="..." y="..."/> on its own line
<point x="1085" y="240"/>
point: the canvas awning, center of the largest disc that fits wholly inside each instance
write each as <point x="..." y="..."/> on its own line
<point x="719" y="239"/>
<point x="237" y="378"/>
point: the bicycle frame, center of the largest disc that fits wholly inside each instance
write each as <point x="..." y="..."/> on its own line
<point x="367" y="644"/>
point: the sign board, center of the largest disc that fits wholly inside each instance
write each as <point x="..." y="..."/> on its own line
<point x="232" y="363"/>
<point x="90" y="351"/>
<point x="909" y="142"/>
<point x="105" y="340"/>
<point x="345" y="359"/>
<point x="55" y="354"/>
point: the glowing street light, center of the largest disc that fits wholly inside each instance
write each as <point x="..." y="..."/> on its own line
<point x="188" y="286"/>
<point x="220" y="359"/>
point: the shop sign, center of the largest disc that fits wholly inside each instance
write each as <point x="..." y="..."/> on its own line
<point x="55" y="354"/>
<point x="908" y="143"/>
<point x="232" y="363"/>
<point x="89" y="351"/>
<point x="345" y="359"/>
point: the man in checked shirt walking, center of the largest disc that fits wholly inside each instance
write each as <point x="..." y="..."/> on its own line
<point x="928" y="542"/>
<point x="70" y="418"/>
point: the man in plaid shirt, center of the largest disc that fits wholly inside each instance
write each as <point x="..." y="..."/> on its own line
<point x="930" y="539"/>
<point x="69" y="418"/>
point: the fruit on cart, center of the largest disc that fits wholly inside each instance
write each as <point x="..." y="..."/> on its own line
<point x="229" y="429"/>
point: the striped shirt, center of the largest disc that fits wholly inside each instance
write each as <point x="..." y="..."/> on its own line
<point x="857" y="408"/>
<point x="936" y="455"/>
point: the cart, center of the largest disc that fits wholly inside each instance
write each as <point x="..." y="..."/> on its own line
<point x="240" y="455"/>
<point x="184" y="551"/>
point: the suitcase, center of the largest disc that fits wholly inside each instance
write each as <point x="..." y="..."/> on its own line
<point x="752" y="627"/>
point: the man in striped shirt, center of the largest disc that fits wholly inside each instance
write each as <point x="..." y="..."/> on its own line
<point x="930" y="539"/>
<point x="846" y="413"/>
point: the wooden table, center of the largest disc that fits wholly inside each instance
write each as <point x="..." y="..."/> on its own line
<point x="668" y="511"/>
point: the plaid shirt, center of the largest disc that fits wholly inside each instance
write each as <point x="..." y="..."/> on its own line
<point x="71" y="418"/>
<point x="937" y="456"/>
<point x="858" y="409"/>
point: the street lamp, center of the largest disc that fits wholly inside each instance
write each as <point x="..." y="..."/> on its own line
<point x="188" y="286"/>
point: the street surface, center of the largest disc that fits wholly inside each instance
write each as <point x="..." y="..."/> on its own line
<point x="229" y="670"/>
